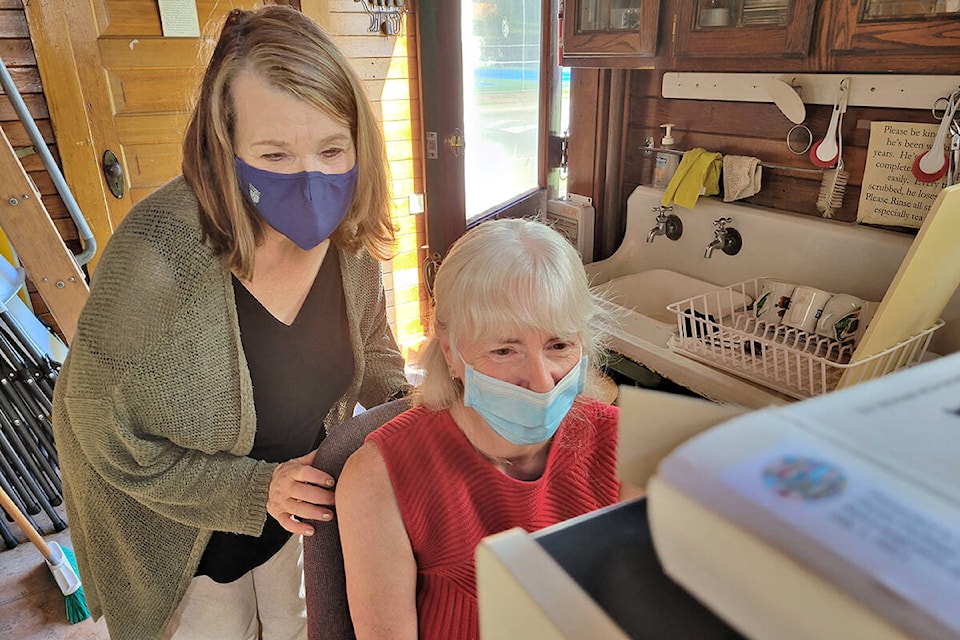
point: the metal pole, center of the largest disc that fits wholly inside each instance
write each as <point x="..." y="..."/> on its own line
<point x="86" y="236"/>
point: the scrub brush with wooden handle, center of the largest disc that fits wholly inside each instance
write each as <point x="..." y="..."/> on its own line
<point x="832" y="186"/>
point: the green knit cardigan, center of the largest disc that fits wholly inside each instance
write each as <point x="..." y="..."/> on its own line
<point x="153" y="410"/>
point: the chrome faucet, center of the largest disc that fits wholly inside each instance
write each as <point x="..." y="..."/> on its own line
<point x="726" y="238"/>
<point x="667" y="224"/>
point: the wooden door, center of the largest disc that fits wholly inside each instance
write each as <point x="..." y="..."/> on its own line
<point x="113" y="82"/>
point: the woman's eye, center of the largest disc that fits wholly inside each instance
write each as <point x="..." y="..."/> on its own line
<point x="331" y="153"/>
<point x="503" y="351"/>
<point x="273" y="157"/>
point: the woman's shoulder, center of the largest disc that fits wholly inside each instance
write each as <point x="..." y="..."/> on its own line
<point x="168" y="216"/>
<point x="165" y="223"/>
<point x="368" y="464"/>
<point x="364" y="478"/>
<point x="151" y="264"/>
<point x="599" y="410"/>
<point x="410" y="421"/>
<point x="173" y="200"/>
<point x="590" y="421"/>
<point x="358" y="264"/>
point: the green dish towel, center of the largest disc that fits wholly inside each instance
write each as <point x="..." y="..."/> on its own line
<point x="699" y="170"/>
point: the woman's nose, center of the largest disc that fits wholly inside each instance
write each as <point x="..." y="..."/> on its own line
<point x="539" y="374"/>
<point x="311" y="163"/>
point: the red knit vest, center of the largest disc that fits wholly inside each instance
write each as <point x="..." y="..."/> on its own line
<point x="450" y="497"/>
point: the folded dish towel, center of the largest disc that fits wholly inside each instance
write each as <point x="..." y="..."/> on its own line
<point x="741" y="177"/>
<point x="697" y="174"/>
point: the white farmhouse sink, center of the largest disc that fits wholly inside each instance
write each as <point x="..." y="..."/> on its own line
<point x="649" y="292"/>
<point x="644" y="277"/>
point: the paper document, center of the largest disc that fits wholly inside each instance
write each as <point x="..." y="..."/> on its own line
<point x="858" y="486"/>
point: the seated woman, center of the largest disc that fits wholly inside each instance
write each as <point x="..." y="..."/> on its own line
<point x="501" y="436"/>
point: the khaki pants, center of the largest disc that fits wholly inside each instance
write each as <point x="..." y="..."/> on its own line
<point x="267" y="602"/>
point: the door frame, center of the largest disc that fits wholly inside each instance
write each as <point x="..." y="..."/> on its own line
<point x="440" y="75"/>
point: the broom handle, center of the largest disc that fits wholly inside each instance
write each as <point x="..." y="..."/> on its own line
<point x="7" y="503"/>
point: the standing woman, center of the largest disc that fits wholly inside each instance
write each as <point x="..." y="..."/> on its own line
<point x="236" y="316"/>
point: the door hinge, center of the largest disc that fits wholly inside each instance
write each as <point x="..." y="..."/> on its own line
<point x="557" y="152"/>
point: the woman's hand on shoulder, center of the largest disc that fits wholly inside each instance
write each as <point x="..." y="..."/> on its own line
<point x="299" y="491"/>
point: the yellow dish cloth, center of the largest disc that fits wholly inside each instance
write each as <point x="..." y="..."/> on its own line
<point x="699" y="170"/>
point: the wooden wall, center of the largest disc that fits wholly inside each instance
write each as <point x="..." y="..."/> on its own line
<point x="751" y="129"/>
<point x="389" y="67"/>
<point x="17" y="53"/>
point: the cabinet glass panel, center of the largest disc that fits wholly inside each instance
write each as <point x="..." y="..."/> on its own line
<point x="757" y="12"/>
<point x="876" y="10"/>
<point x="741" y="13"/>
<point x="609" y="15"/>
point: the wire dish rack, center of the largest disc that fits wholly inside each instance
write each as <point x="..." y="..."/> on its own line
<point x="719" y="328"/>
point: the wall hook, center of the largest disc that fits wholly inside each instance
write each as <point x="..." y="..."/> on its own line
<point x="386" y="16"/>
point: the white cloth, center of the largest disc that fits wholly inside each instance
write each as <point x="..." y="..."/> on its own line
<point x="741" y="177"/>
<point x="268" y="601"/>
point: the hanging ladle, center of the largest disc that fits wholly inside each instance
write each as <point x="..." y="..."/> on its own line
<point x="931" y="165"/>
<point x="826" y="152"/>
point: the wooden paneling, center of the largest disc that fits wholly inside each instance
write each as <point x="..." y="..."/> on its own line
<point x="17" y="52"/>
<point x="140" y="53"/>
<point x="389" y="69"/>
<point x="138" y="18"/>
<point x="27" y="79"/>
<point x="147" y="91"/>
<point x="13" y="24"/>
<point x="752" y="129"/>
<point x="149" y="165"/>
<point x="35" y="103"/>
<point x="162" y="128"/>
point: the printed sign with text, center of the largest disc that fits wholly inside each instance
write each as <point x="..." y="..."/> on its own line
<point x="890" y="194"/>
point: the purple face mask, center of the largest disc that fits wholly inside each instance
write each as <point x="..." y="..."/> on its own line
<point x="306" y="207"/>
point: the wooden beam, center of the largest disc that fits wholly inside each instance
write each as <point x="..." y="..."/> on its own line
<point x="49" y="263"/>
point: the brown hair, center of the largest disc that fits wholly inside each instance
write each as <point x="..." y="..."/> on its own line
<point x="292" y="53"/>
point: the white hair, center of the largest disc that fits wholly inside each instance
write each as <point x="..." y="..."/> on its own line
<point x="509" y="272"/>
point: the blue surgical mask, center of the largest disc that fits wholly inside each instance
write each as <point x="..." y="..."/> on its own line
<point x="306" y="207"/>
<point x="520" y="415"/>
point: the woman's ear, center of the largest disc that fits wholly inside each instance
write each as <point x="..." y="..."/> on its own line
<point x="448" y="355"/>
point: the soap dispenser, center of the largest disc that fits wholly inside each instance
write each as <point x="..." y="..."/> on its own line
<point x="666" y="163"/>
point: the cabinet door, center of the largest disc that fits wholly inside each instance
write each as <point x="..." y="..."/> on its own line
<point x="902" y="35"/>
<point x="609" y="33"/>
<point x="744" y="28"/>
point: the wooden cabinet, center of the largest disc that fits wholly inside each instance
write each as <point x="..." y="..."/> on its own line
<point x="895" y="35"/>
<point x="743" y="28"/>
<point x="904" y="36"/>
<point x="610" y="33"/>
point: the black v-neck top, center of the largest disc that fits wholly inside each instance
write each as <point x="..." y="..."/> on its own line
<point x="298" y="371"/>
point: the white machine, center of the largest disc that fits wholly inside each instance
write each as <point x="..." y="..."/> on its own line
<point x="573" y="217"/>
